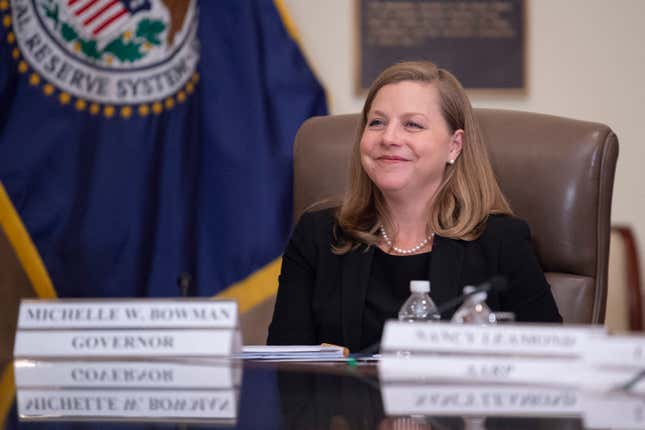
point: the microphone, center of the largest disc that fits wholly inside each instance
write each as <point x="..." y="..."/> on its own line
<point x="184" y="282"/>
<point x="496" y="283"/>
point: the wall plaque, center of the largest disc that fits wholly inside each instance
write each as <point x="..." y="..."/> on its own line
<point x="482" y="42"/>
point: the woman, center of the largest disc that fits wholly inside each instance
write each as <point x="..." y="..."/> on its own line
<point x="423" y="203"/>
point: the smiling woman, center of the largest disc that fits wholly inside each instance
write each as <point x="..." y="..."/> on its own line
<point x="406" y="143"/>
<point x="430" y="114"/>
<point x="423" y="203"/>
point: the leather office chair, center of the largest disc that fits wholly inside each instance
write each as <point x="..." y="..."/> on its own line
<point x="558" y="174"/>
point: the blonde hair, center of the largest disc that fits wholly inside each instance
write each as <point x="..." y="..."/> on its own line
<point x="469" y="192"/>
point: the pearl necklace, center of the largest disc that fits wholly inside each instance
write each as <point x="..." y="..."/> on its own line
<point x="412" y="250"/>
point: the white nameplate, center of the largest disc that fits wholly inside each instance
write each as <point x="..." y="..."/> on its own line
<point x="129" y="404"/>
<point x="613" y="410"/>
<point x="130" y="374"/>
<point x="517" y="370"/>
<point x="530" y="339"/>
<point x="126" y="343"/>
<point x="616" y="351"/>
<point x="127" y="313"/>
<point x="480" y="400"/>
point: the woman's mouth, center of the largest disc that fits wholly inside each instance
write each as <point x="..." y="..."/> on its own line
<point x="391" y="159"/>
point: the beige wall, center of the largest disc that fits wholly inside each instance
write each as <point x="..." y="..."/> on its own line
<point x="586" y="60"/>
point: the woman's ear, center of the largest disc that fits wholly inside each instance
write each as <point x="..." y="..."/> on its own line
<point x="456" y="144"/>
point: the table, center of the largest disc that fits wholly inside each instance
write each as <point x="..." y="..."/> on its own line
<point x="313" y="396"/>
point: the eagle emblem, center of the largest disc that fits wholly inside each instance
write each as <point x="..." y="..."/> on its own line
<point x="114" y="52"/>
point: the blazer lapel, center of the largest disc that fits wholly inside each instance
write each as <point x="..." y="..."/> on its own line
<point x="355" y="276"/>
<point x="445" y="270"/>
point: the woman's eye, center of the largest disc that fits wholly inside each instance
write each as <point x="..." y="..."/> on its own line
<point x="375" y="122"/>
<point x="413" y="124"/>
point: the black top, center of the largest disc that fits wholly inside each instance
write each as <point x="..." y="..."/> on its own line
<point x="321" y="295"/>
<point x="389" y="288"/>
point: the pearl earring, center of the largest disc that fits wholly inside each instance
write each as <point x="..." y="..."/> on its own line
<point x="451" y="162"/>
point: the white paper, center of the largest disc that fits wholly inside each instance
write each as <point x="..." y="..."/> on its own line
<point x="292" y="352"/>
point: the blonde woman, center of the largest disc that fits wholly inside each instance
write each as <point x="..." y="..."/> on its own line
<point x="423" y="203"/>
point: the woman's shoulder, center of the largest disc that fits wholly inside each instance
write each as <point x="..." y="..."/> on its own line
<point x="503" y="225"/>
<point x="505" y="234"/>
<point x="317" y="222"/>
<point x="321" y="217"/>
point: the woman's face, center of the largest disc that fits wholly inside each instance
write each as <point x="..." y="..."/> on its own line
<point x="406" y="142"/>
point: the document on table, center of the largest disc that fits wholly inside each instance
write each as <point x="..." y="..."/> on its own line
<point x="294" y="353"/>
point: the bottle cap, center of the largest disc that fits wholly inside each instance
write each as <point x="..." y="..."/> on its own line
<point x="474" y="298"/>
<point x="420" y="286"/>
<point x="468" y="289"/>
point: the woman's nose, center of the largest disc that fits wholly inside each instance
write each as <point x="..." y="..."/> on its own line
<point x="391" y="134"/>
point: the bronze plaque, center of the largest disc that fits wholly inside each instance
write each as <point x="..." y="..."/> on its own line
<point x="480" y="41"/>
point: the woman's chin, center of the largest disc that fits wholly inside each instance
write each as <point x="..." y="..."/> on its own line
<point x="391" y="186"/>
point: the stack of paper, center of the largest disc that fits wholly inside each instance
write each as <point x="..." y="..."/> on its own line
<point x="294" y="353"/>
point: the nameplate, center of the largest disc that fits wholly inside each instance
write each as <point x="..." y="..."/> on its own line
<point x="523" y="339"/>
<point x="126" y="343"/>
<point x="120" y="374"/>
<point x="616" y="351"/>
<point x="127" y="313"/>
<point x="613" y="410"/>
<point x="597" y="410"/>
<point x="482" y="400"/>
<point x="551" y="371"/>
<point x="127" y="404"/>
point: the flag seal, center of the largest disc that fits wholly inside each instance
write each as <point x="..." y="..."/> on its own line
<point x="108" y="55"/>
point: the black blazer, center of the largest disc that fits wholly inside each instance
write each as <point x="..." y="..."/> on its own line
<point x="321" y="295"/>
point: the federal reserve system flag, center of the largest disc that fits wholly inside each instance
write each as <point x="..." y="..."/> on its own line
<point x="142" y="139"/>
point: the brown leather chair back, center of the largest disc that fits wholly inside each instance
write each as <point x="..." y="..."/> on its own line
<point x="557" y="173"/>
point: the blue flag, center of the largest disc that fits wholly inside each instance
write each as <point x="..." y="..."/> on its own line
<point x="144" y="139"/>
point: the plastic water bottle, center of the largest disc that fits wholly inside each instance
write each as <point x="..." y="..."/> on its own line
<point x="419" y="306"/>
<point x="474" y="310"/>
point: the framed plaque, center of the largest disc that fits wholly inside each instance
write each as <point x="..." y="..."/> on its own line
<point x="482" y="42"/>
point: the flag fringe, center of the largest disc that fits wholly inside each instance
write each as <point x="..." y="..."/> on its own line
<point x="7" y="390"/>
<point x="256" y="288"/>
<point x="24" y="248"/>
<point x="287" y="21"/>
